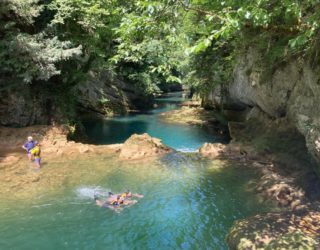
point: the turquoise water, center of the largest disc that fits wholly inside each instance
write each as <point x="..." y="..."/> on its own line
<point x="178" y="136"/>
<point x="189" y="203"/>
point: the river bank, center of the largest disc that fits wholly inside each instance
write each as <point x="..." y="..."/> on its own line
<point x="294" y="201"/>
<point x="284" y="180"/>
<point x="73" y="171"/>
<point x="287" y="178"/>
<point x="18" y="174"/>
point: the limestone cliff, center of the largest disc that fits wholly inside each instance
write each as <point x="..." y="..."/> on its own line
<point x="25" y="105"/>
<point x="291" y="91"/>
<point x="107" y="95"/>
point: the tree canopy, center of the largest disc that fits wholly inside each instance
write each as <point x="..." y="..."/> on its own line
<point x="148" y="42"/>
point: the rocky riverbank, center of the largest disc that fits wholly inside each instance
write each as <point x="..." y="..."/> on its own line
<point x="289" y="91"/>
<point x="294" y="189"/>
<point x="287" y="179"/>
<point x="60" y="156"/>
<point x="284" y="180"/>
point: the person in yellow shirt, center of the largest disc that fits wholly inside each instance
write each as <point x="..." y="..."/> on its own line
<point x="35" y="152"/>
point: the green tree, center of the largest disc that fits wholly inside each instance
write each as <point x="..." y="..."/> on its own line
<point x="26" y="52"/>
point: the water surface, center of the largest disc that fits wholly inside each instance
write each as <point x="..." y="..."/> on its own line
<point x="178" y="136"/>
<point x="189" y="203"/>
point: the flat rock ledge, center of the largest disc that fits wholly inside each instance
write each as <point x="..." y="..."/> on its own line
<point x="53" y="140"/>
<point x="54" y="143"/>
<point x="142" y="146"/>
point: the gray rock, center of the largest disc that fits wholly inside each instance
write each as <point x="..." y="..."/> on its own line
<point x="106" y="95"/>
<point x="24" y="105"/>
<point x="291" y="91"/>
<point x="21" y="107"/>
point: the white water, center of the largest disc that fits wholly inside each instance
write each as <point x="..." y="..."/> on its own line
<point x="88" y="192"/>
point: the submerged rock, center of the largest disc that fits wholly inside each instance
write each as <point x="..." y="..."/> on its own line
<point x="189" y="115"/>
<point x="287" y="230"/>
<point x="212" y="150"/>
<point x="9" y="160"/>
<point x="141" y="146"/>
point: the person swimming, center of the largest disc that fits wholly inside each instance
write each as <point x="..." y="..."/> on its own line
<point x="112" y="199"/>
<point x="117" y="200"/>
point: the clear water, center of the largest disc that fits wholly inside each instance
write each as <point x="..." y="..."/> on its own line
<point x="189" y="203"/>
<point x="178" y="136"/>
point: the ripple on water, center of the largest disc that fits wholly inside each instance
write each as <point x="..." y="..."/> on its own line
<point x="188" y="203"/>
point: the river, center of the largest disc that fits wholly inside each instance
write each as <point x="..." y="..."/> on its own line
<point x="178" y="136"/>
<point x="189" y="202"/>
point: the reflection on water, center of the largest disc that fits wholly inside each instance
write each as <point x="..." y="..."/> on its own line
<point x="178" y="136"/>
<point x="188" y="203"/>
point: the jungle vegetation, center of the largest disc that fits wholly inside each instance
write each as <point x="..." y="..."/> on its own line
<point x="149" y="43"/>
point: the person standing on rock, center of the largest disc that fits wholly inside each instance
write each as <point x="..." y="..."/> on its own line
<point x="35" y="152"/>
<point x="28" y="146"/>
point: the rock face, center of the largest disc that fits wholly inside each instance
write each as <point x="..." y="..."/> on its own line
<point x="282" y="124"/>
<point x="291" y="91"/>
<point x="28" y="105"/>
<point x="142" y="146"/>
<point x="106" y="95"/>
<point x="23" y="107"/>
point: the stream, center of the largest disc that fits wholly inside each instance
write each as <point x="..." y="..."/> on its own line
<point x="189" y="202"/>
<point x="178" y="136"/>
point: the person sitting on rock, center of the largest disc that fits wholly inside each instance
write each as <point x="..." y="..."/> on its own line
<point x="35" y="152"/>
<point x="28" y="146"/>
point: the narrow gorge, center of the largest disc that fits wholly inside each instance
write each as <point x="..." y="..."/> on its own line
<point x="205" y="112"/>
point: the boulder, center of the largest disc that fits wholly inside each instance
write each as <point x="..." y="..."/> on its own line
<point x="141" y="146"/>
<point x="212" y="150"/>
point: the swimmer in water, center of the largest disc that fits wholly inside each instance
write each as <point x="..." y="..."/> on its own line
<point x="117" y="200"/>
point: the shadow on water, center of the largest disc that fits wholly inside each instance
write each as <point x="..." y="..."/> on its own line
<point x="113" y="131"/>
<point x="181" y="137"/>
<point x="189" y="203"/>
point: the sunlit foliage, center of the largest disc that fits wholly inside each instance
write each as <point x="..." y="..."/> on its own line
<point x="148" y="42"/>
